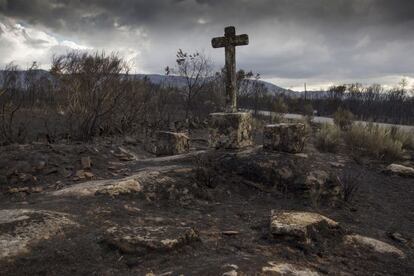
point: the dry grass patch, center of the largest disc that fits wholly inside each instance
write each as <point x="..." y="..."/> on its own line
<point x="374" y="141"/>
<point x="328" y="138"/>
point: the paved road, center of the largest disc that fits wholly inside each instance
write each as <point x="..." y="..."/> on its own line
<point x="319" y="119"/>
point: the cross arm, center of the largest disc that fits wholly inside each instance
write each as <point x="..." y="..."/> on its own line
<point x="238" y="40"/>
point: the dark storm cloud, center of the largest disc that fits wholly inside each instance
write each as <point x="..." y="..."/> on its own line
<point x="144" y="12"/>
<point x="289" y="38"/>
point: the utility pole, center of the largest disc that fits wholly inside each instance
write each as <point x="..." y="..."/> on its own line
<point x="306" y="92"/>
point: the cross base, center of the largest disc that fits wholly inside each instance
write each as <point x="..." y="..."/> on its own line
<point x="230" y="130"/>
<point x="284" y="137"/>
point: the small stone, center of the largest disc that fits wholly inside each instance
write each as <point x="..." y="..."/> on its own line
<point x="397" y="237"/>
<point x="89" y="175"/>
<point x="121" y="188"/>
<point x="230" y="233"/>
<point x="233" y="266"/>
<point x="299" y="225"/>
<point x="130" y="140"/>
<point x="40" y="165"/>
<point x="25" y="177"/>
<point x="336" y="165"/>
<point x="18" y="190"/>
<point x="230" y="273"/>
<point x="284" y="137"/>
<point x="36" y="189"/>
<point x="400" y="170"/>
<point x="287" y="269"/>
<point x="132" y="209"/>
<point x="81" y="174"/>
<point x="302" y="155"/>
<point x="373" y="244"/>
<point x="284" y="173"/>
<point x="86" y="162"/>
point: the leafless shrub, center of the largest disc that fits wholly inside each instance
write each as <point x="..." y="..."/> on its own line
<point x="350" y="184"/>
<point x="93" y="85"/>
<point x="205" y="173"/>
<point x="14" y="102"/>
<point x="196" y="70"/>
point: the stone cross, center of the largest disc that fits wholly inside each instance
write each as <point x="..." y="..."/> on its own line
<point x="229" y="42"/>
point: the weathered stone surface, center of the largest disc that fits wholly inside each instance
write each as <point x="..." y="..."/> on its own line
<point x="123" y="187"/>
<point x="400" y="170"/>
<point x="373" y="244"/>
<point x="287" y="269"/>
<point x="110" y="187"/>
<point x="22" y="228"/>
<point x="284" y="137"/>
<point x="321" y="187"/>
<point x="230" y="130"/>
<point x="141" y="240"/>
<point x="299" y="225"/>
<point x="230" y="41"/>
<point x="168" y="143"/>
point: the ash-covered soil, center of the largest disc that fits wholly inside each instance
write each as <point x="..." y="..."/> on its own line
<point x="204" y="213"/>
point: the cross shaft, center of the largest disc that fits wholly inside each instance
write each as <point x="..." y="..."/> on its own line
<point x="229" y="42"/>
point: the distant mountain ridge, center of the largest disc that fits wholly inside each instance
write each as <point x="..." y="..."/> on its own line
<point x="177" y="81"/>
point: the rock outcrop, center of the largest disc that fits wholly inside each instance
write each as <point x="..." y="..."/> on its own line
<point x="20" y="229"/>
<point x="299" y="226"/>
<point x="141" y="240"/>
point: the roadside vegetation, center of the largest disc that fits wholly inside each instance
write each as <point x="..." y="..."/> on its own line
<point x="383" y="143"/>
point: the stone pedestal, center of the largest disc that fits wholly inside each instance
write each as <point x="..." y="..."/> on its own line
<point x="230" y="130"/>
<point x="284" y="137"/>
<point x="168" y="143"/>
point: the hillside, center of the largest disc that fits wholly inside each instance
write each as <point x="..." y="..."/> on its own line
<point x="157" y="79"/>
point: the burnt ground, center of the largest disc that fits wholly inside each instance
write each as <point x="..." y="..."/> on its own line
<point x="230" y="211"/>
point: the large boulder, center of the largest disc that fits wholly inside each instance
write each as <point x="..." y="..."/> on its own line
<point x="284" y="137"/>
<point x="299" y="226"/>
<point x="230" y="130"/>
<point x="21" y="229"/>
<point x="142" y="240"/>
<point x="168" y="143"/>
<point x="400" y="170"/>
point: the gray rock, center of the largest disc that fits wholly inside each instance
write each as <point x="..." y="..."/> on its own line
<point x="24" y="228"/>
<point x="373" y="244"/>
<point x="142" y="240"/>
<point x="299" y="225"/>
<point x="400" y="170"/>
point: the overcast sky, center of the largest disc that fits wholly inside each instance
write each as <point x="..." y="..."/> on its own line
<point x="320" y="42"/>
